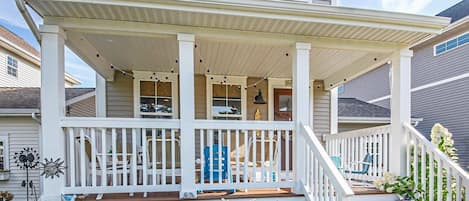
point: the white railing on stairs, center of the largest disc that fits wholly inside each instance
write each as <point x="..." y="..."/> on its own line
<point x="351" y="148"/>
<point x="445" y="176"/>
<point x="255" y="154"/>
<point x="121" y="155"/>
<point x="323" y="181"/>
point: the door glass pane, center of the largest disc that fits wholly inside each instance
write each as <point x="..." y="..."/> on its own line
<point x="285" y="103"/>
<point x="147" y="104"/>
<point x="147" y="88"/>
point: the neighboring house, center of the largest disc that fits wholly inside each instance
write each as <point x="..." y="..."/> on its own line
<point x="20" y="63"/>
<point x="20" y="126"/>
<point x="355" y="114"/>
<point x="211" y="95"/>
<point x="440" y="80"/>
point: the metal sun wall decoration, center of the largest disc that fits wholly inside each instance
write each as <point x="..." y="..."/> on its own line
<point x="53" y="168"/>
<point x="27" y="159"/>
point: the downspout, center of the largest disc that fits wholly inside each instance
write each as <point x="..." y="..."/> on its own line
<point x="29" y="20"/>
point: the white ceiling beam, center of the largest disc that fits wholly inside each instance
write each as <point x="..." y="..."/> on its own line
<point x="156" y="30"/>
<point x="357" y="68"/>
<point x="82" y="47"/>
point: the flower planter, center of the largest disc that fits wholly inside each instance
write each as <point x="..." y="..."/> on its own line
<point x="4" y="175"/>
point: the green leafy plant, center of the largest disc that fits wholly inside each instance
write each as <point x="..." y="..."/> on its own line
<point x="403" y="186"/>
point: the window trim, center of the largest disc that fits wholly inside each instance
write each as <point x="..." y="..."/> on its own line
<point x="13" y="67"/>
<point x="445" y="41"/>
<point x="145" y="76"/>
<point x="6" y="154"/>
<point x="234" y="80"/>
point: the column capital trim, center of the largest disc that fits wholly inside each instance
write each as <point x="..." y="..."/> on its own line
<point x="302" y="46"/>
<point x="51" y="29"/>
<point x="404" y="53"/>
<point x="186" y="37"/>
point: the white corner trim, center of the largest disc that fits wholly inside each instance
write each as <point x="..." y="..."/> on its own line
<point x="80" y="98"/>
<point x="426" y="86"/>
<point x="334" y="110"/>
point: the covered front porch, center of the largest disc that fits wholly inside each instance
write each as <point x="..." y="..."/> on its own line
<point x="198" y="100"/>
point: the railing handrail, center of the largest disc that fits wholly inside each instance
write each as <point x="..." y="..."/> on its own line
<point x="100" y="122"/>
<point x="248" y="125"/>
<point x="358" y="132"/>
<point x="430" y="146"/>
<point x="336" y="178"/>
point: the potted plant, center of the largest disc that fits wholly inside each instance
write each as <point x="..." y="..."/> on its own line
<point x="6" y="196"/>
<point x="402" y="186"/>
<point x="4" y="175"/>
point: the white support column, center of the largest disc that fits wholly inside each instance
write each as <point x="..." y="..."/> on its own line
<point x="52" y="105"/>
<point x="301" y="105"/>
<point x="100" y="97"/>
<point x="334" y="93"/>
<point x="400" y="109"/>
<point x="187" y="113"/>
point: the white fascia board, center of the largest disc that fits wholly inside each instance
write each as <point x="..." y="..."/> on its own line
<point x="17" y="112"/>
<point x="452" y="26"/>
<point x="80" y="98"/>
<point x="371" y="120"/>
<point x="293" y="11"/>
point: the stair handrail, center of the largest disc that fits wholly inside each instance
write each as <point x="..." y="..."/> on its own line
<point x="430" y="146"/>
<point x="339" y="183"/>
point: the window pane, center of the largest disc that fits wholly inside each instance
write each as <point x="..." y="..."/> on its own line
<point x="234" y="91"/>
<point x="219" y="90"/>
<point x="452" y="44"/>
<point x="463" y="39"/>
<point x="164" y="105"/>
<point x="147" y="88"/>
<point x="147" y="105"/>
<point x="164" y="89"/>
<point x="285" y="103"/>
<point x="440" y="48"/>
<point x="226" y="106"/>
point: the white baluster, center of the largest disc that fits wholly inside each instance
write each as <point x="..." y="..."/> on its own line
<point x="163" y="156"/>
<point x="93" y="157"/>
<point x="71" y="142"/>
<point x="114" y="157"/>
<point x="153" y="156"/>
<point x="124" y="157"/>
<point x="82" y="158"/>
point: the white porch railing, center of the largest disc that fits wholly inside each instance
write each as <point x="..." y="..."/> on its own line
<point x="119" y="155"/>
<point x="255" y="154"/>
<point x="445" y="176"/>
<point x="322" y="181"/>
<point x="351" y="148"/>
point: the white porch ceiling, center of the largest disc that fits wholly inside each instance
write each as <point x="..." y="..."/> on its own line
<point x="218" y="56"/>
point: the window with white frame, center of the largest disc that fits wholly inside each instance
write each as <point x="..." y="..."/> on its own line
<point x="155" y="95"/>
<point x="4" y="153"/>
<point x="451" y="44"/>
<point x="12" y="66"/>
<point x="226" y="98"/>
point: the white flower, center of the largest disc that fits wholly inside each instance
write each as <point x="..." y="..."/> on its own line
<point x="389" y="190"/>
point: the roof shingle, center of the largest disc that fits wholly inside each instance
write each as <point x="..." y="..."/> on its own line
<point x="29" y="98"/>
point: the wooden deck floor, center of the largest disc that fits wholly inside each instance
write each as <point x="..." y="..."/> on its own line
<point x="359" y="189"/>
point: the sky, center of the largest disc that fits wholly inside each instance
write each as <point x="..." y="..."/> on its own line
<point x="11" y="18"/>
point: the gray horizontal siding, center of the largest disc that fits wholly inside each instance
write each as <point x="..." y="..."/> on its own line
<point x="84" y="108"/>
<point x="374" y="84"/>
<point x="22" y="132"/>
<point x="427" y="68"/>
<point x="447" y="104"/>
<point x="119" y="97"/>
<point x="321" y="111"/>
